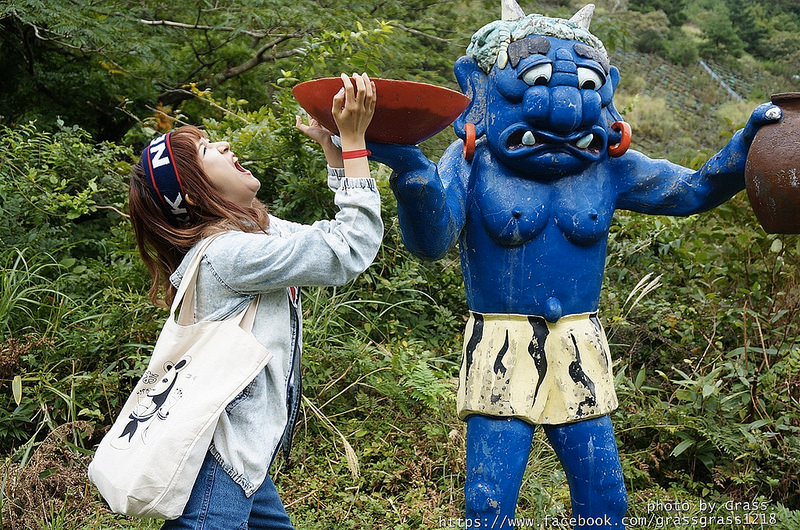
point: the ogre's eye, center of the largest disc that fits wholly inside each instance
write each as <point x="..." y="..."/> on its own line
<point x="538" y="75"/>
<point x="589" y="79"/>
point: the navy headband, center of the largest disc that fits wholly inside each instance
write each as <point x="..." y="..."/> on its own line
<point x="162" y="178"/>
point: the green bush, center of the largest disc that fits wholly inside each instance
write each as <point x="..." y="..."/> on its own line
<point x="70" y="281"/>
<point x="709" y="357"/>
<point x="680" y="49"/>
<point x="57" y="188"/>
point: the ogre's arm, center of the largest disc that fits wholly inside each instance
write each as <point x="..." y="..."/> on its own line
<point x="430" y="201"/>
<point x="661" y="187"/>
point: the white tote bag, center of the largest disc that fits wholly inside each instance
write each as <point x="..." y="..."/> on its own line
<point x="146" y="465"/>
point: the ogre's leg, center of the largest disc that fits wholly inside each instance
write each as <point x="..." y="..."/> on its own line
<point x="497" y="452"/>
<point x="588" y="453"/>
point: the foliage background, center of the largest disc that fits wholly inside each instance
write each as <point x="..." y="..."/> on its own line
<point x="702" y="312"/>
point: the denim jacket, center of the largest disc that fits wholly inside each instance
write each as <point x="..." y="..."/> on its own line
<point x="239" y="266"/>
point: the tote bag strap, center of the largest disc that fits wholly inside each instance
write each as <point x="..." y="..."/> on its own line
<point x="248" y="316"/>
<point x="184" y="297"/>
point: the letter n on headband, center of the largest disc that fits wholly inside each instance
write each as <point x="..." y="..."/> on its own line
<point x="163" y="179"/>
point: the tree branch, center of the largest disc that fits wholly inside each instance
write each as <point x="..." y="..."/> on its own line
<point x="259" y="57"/>
<point x="420" y="33"/>
<point x="264" y="53"/>
<point x="259" y="34"/>
<point x="39" y="33"/>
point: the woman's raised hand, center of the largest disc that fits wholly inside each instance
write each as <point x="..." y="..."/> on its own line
<point x="313" y="130"/>
<point x="353" y="108"/>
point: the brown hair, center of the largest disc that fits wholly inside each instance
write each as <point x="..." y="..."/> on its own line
<point x="163" y="243"/>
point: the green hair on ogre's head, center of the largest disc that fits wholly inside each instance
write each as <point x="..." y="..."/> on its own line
<point x="489" y="44"/>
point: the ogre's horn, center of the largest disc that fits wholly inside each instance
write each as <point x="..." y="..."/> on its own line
<point x="583" y="17"/>
<point x="511" y="10"/>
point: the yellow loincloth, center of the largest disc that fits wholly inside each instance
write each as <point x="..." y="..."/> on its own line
<point x="541" y="372"/>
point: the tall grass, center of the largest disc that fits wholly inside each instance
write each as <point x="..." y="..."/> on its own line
<point x="29" y="297"/>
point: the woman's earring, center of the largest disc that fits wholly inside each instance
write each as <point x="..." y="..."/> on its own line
<point x="469" y="141"/>
<point x="624" y="143"/>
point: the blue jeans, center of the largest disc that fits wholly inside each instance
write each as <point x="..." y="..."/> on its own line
<point x="218" y="503"/>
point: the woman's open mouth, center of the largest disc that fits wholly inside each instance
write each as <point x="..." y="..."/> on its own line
<point x="239" y="167"/>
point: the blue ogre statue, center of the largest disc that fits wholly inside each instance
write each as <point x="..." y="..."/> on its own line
<point x="528" y="194"/>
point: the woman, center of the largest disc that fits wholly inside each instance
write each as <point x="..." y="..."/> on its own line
<point x="187" y="188"/>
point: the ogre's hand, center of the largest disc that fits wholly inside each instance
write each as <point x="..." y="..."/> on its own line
<point x="401" y="158"/>
<point x="762" y="115"/>
<point x="723" y="174"/>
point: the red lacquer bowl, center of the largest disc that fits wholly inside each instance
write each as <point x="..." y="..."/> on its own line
<point x="406" y="112"/>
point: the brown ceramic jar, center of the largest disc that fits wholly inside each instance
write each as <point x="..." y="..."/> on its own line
<point x="772" y="172"/>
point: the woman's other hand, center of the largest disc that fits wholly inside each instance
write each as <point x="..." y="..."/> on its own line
<point x="314" y="130"/>
<point x="322" y="136"/>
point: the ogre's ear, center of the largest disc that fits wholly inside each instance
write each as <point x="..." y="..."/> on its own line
<point x="473" y="82"/>
<point x="614" y="75"/>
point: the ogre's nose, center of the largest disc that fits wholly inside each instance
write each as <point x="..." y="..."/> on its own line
<point x="561" y="108"/>
<point x="566" y="108"/>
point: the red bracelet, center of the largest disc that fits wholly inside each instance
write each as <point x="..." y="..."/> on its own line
<point x="356" y="153"/>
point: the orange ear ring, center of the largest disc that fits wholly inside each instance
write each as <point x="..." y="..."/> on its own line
<point x="469" y="141"/>
<point x="624" y="143"/>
